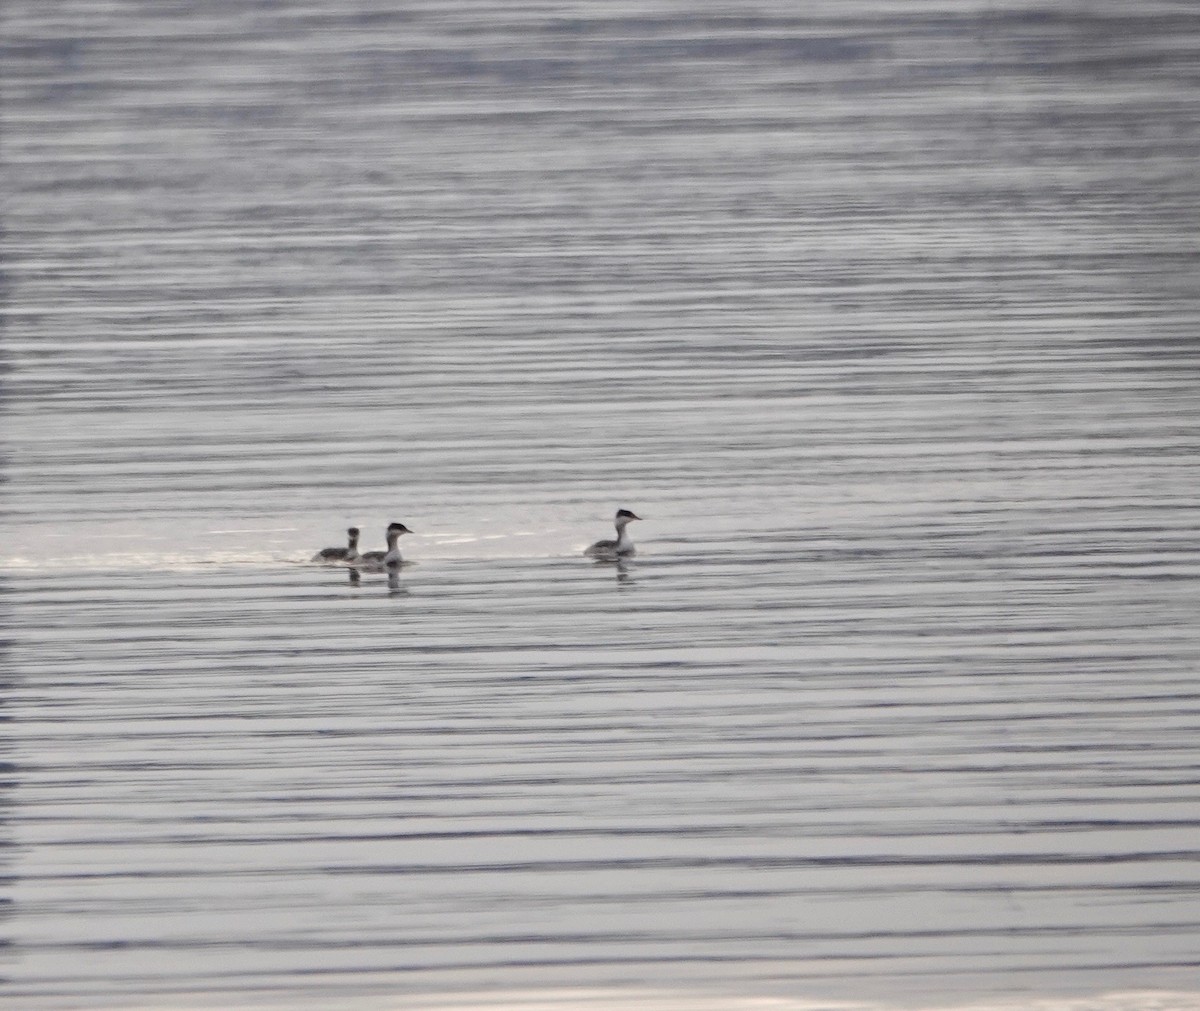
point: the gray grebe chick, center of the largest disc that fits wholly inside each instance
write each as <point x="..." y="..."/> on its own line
<point x="391" y="557"/>
<point x="622" y="547"/>
<point x="346" y="554"/>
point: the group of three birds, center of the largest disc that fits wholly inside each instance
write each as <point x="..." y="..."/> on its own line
<point x="622" y="547"/>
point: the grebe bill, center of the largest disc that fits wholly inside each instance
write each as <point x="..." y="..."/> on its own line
<point x="346" y="554"/>
<point x="622" y="547"/>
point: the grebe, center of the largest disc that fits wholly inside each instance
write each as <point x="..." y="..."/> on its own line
<point x="347" y="554"/>
<point x="622" y="547"/>
<point x="391" y="557"/>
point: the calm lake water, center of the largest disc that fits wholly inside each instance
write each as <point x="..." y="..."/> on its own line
<point x="884" y="317"/>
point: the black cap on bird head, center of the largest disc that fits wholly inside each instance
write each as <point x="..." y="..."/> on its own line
<point x="353" y="531"/>
<point x="398" y="528"/>
<point x="625" y="514"/>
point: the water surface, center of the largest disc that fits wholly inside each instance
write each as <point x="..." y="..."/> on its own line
<point x="883" y="318"/>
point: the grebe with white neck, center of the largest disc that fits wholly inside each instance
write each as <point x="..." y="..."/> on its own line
<point x="390" y="558"/>
<point x="346" y="554"/>
<point x="622" y="547"/>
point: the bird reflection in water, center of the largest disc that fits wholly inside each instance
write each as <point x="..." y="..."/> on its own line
<point x="393" y="580"/>
<point x="621" y="566"/>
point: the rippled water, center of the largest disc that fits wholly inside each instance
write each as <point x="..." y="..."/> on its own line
<point x="884" y="318"/>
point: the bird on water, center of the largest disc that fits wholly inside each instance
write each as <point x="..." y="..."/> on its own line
<point x="346" y="554"/>
<point x="622" y="547"/>
<point x="391" y="557"/>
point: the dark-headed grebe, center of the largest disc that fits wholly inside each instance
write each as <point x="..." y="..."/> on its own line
<point x="622" y="547"/>
<point x="391" y="557"/>
<point x="346" y="554"/>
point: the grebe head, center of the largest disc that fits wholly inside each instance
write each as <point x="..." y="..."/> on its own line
<point x="353" y="532"/>
<point x="397" y="529"/>
<point x="624" y="516"/>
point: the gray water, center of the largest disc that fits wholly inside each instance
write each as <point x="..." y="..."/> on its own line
<point x="882" y="316"/>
